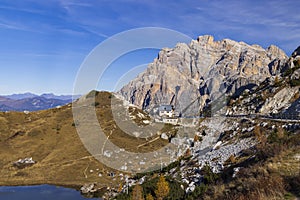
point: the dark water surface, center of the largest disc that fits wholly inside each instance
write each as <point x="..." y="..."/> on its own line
<point x="39" y="192"/>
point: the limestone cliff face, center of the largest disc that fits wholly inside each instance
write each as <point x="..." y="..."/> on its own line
<point x="191" y="75"/>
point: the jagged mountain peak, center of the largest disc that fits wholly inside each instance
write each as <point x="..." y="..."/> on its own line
<point x="189" y="76"/>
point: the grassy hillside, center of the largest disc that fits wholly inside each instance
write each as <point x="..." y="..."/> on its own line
<point x="50" y="138"/>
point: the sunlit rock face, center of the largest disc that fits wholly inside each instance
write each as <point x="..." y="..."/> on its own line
<point x="189" y="76"/>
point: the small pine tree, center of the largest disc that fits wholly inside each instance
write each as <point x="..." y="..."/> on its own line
<point x="257" y="132"/>
<point x="276" y="81"/>
<point x="280" y="132"/>
<point x="196" y="138"/>
<point x="162" y="188"/>
<point x="137" y="193"/>
<point x="232" y="159"/>
<point x="120" y="188"/>
<point x="231" y="102"/>
<point x="187" y="153"/>
<point x="149" y="197"/>
<point x="259" y="135"/>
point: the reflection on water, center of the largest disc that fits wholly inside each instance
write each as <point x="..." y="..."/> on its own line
<point x="44" y="192"/>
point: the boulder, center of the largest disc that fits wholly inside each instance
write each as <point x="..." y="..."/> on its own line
<point x="89" y="188"/>
<point x="22" y="163"/>
<point x="164" y="136"/>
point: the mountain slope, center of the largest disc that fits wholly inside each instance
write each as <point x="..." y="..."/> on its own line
<point x="51" y="139"/>
<point x="191" y="75"/>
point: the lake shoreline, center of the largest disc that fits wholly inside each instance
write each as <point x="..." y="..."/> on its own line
<point x="42" y="191"/>
<point x="71" y="186"/>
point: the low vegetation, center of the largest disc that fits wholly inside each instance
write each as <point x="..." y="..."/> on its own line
<point x="270" y="172"/>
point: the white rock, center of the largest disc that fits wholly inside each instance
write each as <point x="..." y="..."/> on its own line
<point x="264" y="124"/>
<point x="217" y="145"/>
<point x="142" y="180"/>
<point x="235" y="171"/>
<point x="185" y="181"/>
<point x="107" y="153"/>
<point x="164" y="136"/>
<point x="146" y="121"/>
<point x="142" y="163"/>
<point x="250" y="129"/>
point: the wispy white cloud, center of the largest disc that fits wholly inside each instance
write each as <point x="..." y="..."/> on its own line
<point x="9" y="26"/>
<point x="14" y="25"/>
<point x="262" y="21"/>
<point x="22" y="9"/>
<point x="76" y="3"/>
<point x="89" y="30"/>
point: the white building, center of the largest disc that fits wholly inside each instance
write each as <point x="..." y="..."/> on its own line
<point x="173" y="121"/>
<point x="166" y="111"/>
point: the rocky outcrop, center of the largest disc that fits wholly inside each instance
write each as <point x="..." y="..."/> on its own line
<point x="277" y="96"/>
<point x="279" y="101"/>
<point x="22" y="163"/>
<point x="191" y="75"/>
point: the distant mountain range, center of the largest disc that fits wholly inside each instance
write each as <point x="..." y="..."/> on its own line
<point x="33" y="102"/>
<point x="45" y="95"/>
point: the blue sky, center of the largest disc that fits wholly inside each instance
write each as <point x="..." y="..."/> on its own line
<point x="44" y="42"/>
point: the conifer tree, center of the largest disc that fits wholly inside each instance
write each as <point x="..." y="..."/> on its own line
<point x="163" y="189"/>
<point x="137" y="193"/>
<point x="149" y="197"/>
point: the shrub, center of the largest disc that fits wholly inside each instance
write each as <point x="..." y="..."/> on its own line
<point x="176" y="192"/>
<point x="288" y="72"/>
<point x="294" y="185"/>
<point x="208" y="176"/>
<point x="198" y="192"/>
<point x="295" y="82"/>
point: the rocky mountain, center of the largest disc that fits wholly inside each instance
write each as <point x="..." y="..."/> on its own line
<point x="190" y="76"/>
<point x="277" y="96"/>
